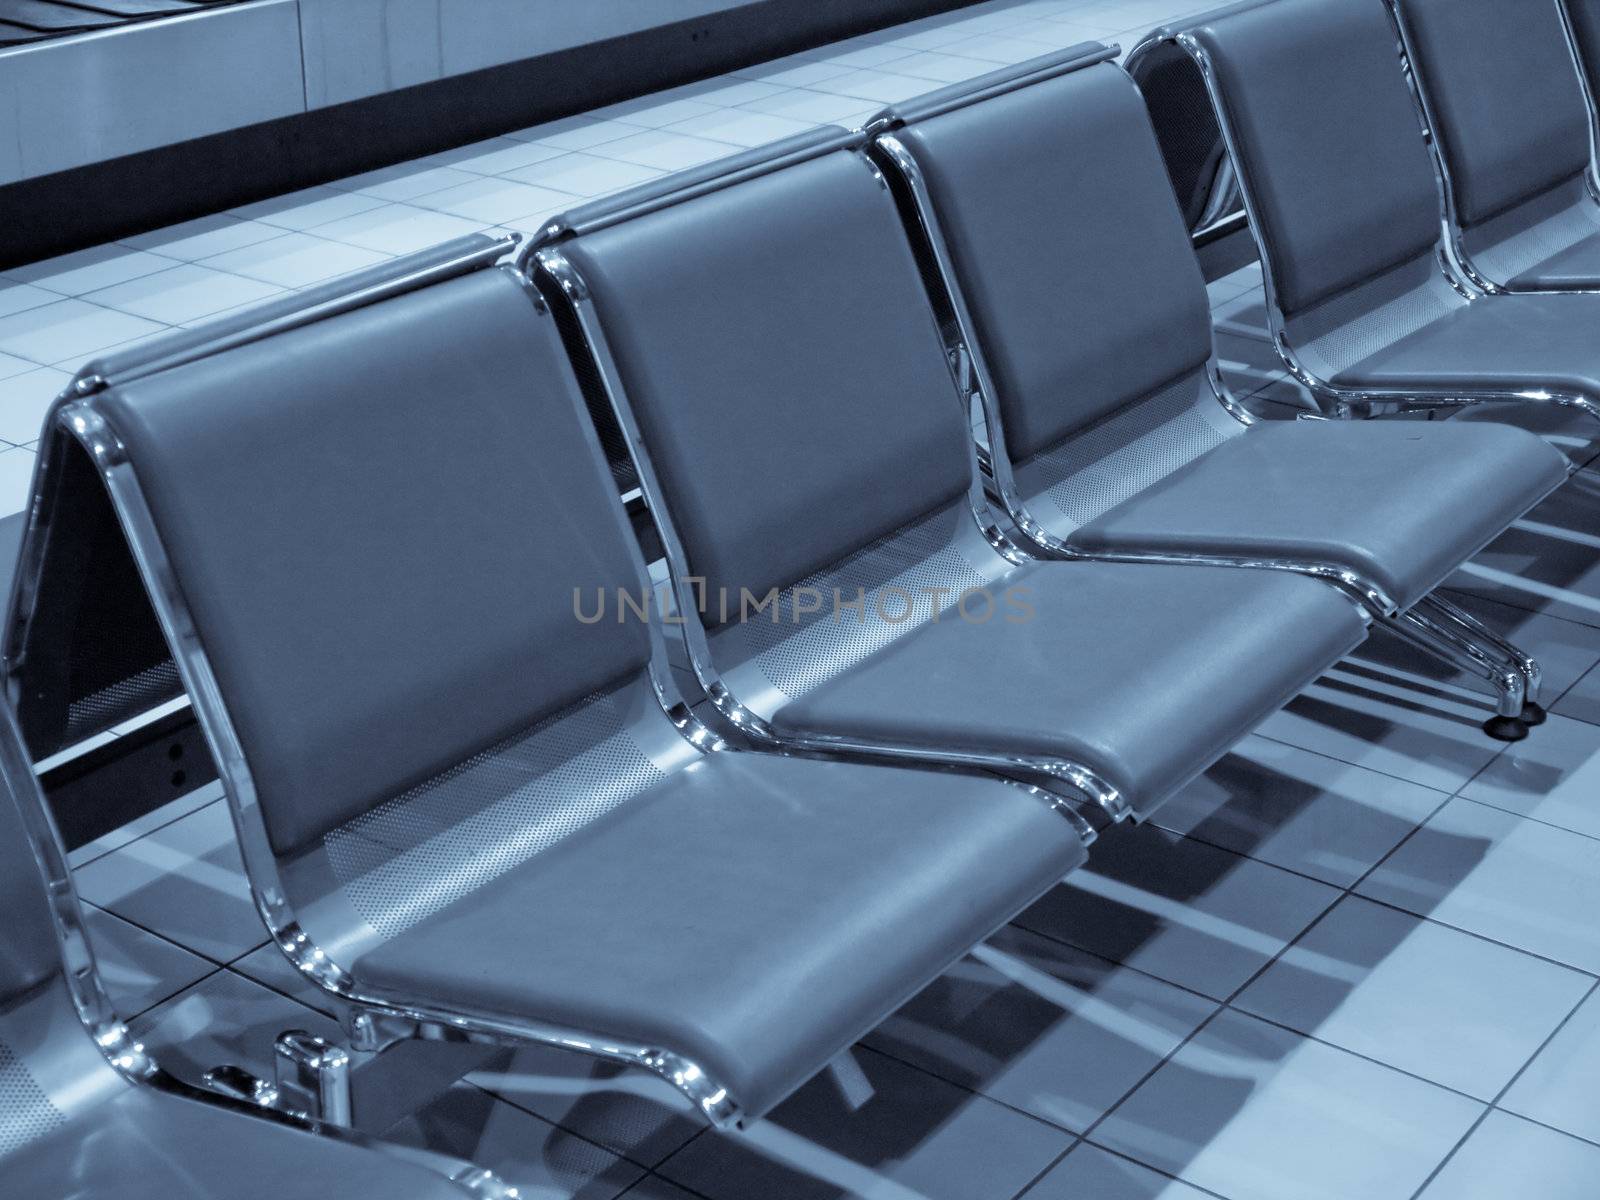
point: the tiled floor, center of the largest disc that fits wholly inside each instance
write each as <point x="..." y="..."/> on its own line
<point x="1357" y="960"/>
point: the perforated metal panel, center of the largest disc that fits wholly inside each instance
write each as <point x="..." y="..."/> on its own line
<point x="26" y="1113"/>
<point x="1359" y="322"/>
<point x="1115" y="459"/>
<point x="122" y="700"/>
<point x="1532" y="233"/>
<point x="425" y="849"/>
<point x="894" y="577"/>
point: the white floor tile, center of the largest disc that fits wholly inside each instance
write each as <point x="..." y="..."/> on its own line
<point x="295" y="260"/>
<point x="803" y="105"/>
<point x="16" y="478"/>
<point x="397" y="229"/>
<point x="533" y="1156"/>
<point x="1507" y="1156"/>
<point x="741" y="128"/>
<point x="663" y="150"/>
<point x="69" y="330"/>
<point x="575" y="133"/>
<point x="1558" y="1088"/>
<point x="225" y="1018"/>
<point x="204" y="237"/>
<point x="18" y="297"/>
<point x="495" y="201"/>
<point x="405" y="181"/>
<point x="183" y="293"/>
<point x="1090" y="1173"/>
<point x="24" y="400"/>
<point x="1039" y="1026"/>
<point x="1254" y="1112"/>
<point x="1197" y="916"/>
<point x="1432" y="1001"/>
<point x="1402" y="723"/>
<point x="1553" y="776"/>
<point x="186" y="880"/>
<point x="308" y="208"/>
<point x="578" y="174"/>
<point x="1484" y="870"/>
<point x="86" y="270"/>
<point x="1298" y="810"/>
<point x="633" y="1113"/>
<point x="907" y="1135"/>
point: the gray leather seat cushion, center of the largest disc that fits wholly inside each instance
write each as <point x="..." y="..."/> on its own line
<point x="362" y="514"/>
<point x="1578" y="266"/>
<point x="1403" y="503"/>
<point x="1069" y="247"/>
<point x="1525" y="341"/>
<point x="1147" y="673"/>
<point x="753" y="912"/>
<point x="1510" y="110"/>
<point x="1330" y="141"/>
<point x="146" y="1145"/>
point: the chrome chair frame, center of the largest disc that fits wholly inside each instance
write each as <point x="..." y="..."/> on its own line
<point x="558" y="280"/>
<point x="126" y="1055"/>
<point x="1443" y="630"/>
<point x="1458" y="258"/>
<point x="1354" y="402"/>
<point x="314" y="1078"/>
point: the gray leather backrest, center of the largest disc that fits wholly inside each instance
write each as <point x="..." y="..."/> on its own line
<point x="1330" y="142"/>
<point x="1507" y="103"/>
<point x="378" y="521"/>
<point x="785" y="368"/>
<point x="1069" y="247"/>
<point x="1585" y="16"/>
<point x="29" y="952"/>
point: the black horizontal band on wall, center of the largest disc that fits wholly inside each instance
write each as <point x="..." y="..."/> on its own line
<point x="84" y="206"/>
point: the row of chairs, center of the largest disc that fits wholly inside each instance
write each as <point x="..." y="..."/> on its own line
<point x="1418" y="177"/>
<point x="966" y="555"/>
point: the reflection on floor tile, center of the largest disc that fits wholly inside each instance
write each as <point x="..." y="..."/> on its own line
<point x="187" y="880"/>
<point x="1520" y="882"/>
<point x="1547" y="561"/>
<point x="149" y="823"/>
<point x="1403" y="723"/>
<point x="628" y="1110"/>
<point x="1254" y="1112"/>
<point x="224" y="1019"/>
<point x="539" y="1160"/>
<point x="1042" y="1027"/>
<point x="1554" y="776"/>
<point x="1090" y="1173"/>
<point x="1299" y="810"/>
<point x="1559" y="1086"/>
<point x="1507" y="1156"/>
<point x="912" y="1136"/>
<point x="1186" y="912"/>
<point x="1581" y="701"/>
<point x="268" y="966"/>
<point x="138" y="968"/>
<point x="1437" y="1002"/>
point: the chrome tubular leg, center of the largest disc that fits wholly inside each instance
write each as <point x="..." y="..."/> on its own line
<point x="1532" y="674"/>
<point x="313" y="1077"/>
<point x="1445" y="643"/>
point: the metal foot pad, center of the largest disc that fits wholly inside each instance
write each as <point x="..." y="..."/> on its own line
<point x="1506" y="729"/>
<point x="1533" y="713"/>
